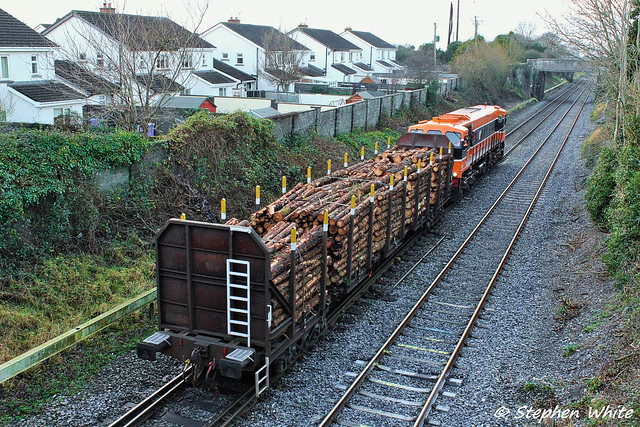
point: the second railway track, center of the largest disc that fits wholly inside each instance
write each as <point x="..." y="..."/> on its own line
<point x="400" y="384"/>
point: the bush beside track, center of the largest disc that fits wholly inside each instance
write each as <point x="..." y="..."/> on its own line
<point x="613" y="201"/>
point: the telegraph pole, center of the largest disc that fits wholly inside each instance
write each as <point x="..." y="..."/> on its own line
<point x="434" y="44"/>
<point x="458" y="21"/>
<point x="475" y="24"/>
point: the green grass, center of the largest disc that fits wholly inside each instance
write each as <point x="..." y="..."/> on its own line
<point x="66" y="291"/>
<point x="69" y="371"/>
<point x="569" y="349"/>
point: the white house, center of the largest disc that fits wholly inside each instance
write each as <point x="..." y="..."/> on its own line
<point x="333" y="54"/>
<point x="29" y="91"/>
<point x="379" y="57"/>
<point x="222" y="80"/>
<point x="245" y="47"/>
<point x="157" y="56"/>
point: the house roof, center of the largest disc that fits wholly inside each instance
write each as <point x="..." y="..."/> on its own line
<point x="372" y="39"/>
<point x="363" y="66"/>
<point x="15" y="33"/>
<point x="84" y="79"/>
<point x="258" y="34"/>
<point x="186" y="101"/>
<point x="159" y="83"/>
<point x="139" y="32"/>
<point x="396" y="62"/>
<point x="263" y="113"/>
<point x="47" y="91"/>
<point x="312" y="71"/>
<point x="343" y="69"/>
<point x="385" y="63"/>
<point x="282" y="74"/>
<point x="232" y="71"/>
<point x="329" y="39"/>
<point x="213" y="77"/>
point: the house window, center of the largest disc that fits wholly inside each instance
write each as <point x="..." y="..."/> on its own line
<point x="187" y="61"/>
<point x="34" y="64"/>
<point x="4" y="67"/>
<point x="225" y="56"/>
<point x="57" y="112"/>
<point x="204" y="60"/>
<point x="312" y="56"/>
<point x="240" y="59"/>
<point x="163" y="61"/>
<point x="100" y="60"/>
<point x="186" y="92"/>
<point x="341" y="56"/>
<point x="350" y="56"/>
<point x="222" y="91"/>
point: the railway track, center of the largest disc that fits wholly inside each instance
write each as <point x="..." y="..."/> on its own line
<point x="401" y="383"/>
<point x="225" y="414"/>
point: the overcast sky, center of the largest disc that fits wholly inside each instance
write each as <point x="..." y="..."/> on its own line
<point x="396" y="21"/>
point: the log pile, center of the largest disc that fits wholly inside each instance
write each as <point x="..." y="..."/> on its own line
<point x="303" y="206"/>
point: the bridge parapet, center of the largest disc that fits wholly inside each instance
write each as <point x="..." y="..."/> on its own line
<point x="561" y="65"/>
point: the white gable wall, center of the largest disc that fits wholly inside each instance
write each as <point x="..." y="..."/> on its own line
<point x="231" y="43"/>
<point x="19" y="63"/>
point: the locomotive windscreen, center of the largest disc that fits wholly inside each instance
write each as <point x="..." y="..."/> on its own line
<point x="415" y="139"/>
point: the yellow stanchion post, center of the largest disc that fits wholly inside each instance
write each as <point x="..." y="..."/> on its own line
<point x="223" y="209"/>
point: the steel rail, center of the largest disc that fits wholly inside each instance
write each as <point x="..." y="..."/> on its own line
<point x="339" y="405"/>
<point x="440" y="383"/>
<point x="568" y="92"/>
<point x="517" y="143"/>
<point x="143" y="410"/>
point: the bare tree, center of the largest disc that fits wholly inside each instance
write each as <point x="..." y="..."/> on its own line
<point x="282" y="61"/>
<point x="525" y="29"/>
<point x="597" y="30"/>
<point x="147" y="58"/>
<point x="420" y="66"/>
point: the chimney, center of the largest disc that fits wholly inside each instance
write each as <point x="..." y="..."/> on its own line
<point x="303" y="26"/>
<point x="347" y="29"/>
<point x="107" y="8"/>
<point x="233" y="20"/>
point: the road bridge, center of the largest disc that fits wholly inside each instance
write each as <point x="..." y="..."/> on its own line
<point x="542" y="66"/>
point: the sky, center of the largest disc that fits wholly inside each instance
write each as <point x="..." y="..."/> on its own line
<point x="396" y="21"/>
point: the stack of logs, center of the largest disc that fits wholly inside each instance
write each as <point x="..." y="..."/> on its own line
<point x="303" y="206"/>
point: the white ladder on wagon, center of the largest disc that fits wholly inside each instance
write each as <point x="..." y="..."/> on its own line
<point x="239" y="299"/>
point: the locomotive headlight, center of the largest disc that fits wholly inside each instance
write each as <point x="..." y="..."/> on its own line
<point x="455" y="174"/>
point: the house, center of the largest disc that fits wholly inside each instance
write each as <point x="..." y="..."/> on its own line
<point x="331" y="53"/>
<point x="273" y="58"/>
<point x="29" y="91"/>
<point x="151" y="58"/>
<point x="379" y="57"/>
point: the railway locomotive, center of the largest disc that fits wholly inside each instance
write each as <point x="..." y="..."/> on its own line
<point x="238" y="301"/>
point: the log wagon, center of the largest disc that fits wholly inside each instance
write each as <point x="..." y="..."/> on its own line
<point x="241" y="299"/>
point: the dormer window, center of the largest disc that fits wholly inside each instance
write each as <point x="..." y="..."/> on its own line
<point x="34" y="64"/>
<point x="4" y="67"/>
